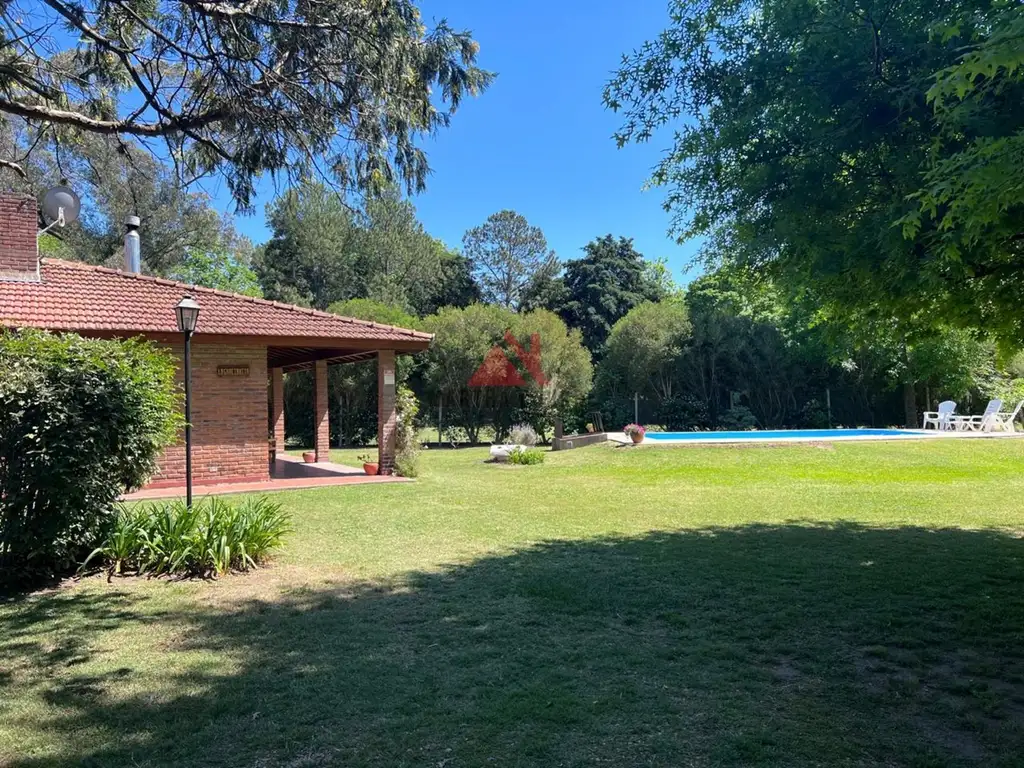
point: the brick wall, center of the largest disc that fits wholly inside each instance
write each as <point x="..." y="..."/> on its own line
<point x="387" y="419"/>
<point x="229" y="418"/>
<point x="19" y="257"/>
<point x="321" y="420"/>
<point x="277" y="406"/>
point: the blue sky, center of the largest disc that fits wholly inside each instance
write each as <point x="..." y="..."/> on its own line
<point x="539" y="140"/>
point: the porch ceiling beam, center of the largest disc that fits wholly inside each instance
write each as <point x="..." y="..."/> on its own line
<point x="332" y="358"/>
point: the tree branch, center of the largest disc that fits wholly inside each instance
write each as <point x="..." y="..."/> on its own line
<point x="14" y="167"/>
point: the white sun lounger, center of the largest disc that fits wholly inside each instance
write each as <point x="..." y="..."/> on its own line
<point x="986" y="422"/>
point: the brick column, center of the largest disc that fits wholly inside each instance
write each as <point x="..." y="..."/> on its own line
<point x="277" y="407"/>
<point x="321" y="427"/>
<point x="387" y="419"/>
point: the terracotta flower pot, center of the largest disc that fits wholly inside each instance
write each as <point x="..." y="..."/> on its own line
<point x="636" y="438"/>
<point x="370" y="469"/>
<point x="309" y="457"/>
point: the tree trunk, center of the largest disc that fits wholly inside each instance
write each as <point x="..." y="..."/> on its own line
<point x="909" y="405"/>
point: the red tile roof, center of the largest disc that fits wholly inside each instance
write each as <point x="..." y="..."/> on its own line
<point x="79" y="297"/>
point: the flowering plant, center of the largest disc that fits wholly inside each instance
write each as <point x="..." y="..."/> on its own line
<point x="634" y="429"/>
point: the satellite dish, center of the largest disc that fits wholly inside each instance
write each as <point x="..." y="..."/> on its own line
<point x="61" y="205"/>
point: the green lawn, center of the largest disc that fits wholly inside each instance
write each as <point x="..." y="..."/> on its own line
<point x="773" y="606"/>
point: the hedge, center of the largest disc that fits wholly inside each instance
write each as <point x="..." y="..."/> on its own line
<point x="81" y="422"/>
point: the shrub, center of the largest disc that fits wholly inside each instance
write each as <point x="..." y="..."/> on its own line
<point x="520" y="455"/>
<point x="739" y="418"/>
<point x="407" y="444"/>
<point x="523" y="434"/>
<point x="81" y="422"/>
<point x="214" y="536"/>
<point x="684" y="412"/>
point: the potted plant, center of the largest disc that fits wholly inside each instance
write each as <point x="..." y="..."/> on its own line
<point x="309" y="457"/>
<point x="590" y="427"/>
<point x="370" y="466"/>
<point x="635" y="432"/>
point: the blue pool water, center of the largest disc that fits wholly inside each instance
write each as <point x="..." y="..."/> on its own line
<point x="777" y="434"/>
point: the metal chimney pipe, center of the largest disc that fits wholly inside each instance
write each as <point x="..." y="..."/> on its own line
<point x="132" y="248"/>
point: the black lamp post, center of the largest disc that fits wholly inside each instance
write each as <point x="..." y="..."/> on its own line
<point x="187" y="313"/>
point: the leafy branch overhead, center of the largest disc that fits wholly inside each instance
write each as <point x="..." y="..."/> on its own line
<point x="337" y="88"/>
<point x="867" y="154"/>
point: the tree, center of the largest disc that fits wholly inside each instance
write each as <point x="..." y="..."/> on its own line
<point x="455" y="286"/>
<point x="507" y="256"/>
<point x="217" y="269"/>
<point x="242" y="89"/>
<point x="807" y="131"/>
<point x="567" y="368"/>
<point x="398" y="262"/>
<point x="466" y="338"/>
<point x="312" y="255"/>
<point x="973" y="197"/>
<point x="117" y="179"/>
<point x="603" y="286"/>
<point x="462" y="339"/>
<point x="645" y="346"/>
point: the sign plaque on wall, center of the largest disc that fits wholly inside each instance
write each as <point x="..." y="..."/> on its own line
<point x="233" y="371"/>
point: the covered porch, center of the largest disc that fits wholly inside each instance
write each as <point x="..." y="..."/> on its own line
<point x="282" y="360"/>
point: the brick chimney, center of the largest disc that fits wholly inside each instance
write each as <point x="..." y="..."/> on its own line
<point x="19" y="250"/>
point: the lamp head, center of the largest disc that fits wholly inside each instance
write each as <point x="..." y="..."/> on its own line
<point x="187" y="313"/>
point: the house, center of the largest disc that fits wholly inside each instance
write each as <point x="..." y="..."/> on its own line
<point x="241" y="349"/>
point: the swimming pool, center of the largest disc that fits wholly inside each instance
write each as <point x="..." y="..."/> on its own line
<point x="791" y="435"/>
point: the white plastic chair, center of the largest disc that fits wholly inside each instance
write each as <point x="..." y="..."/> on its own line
<point x="942" y="418"/>
<point x="986" y="422"/>
<point x="1004" y="421"/>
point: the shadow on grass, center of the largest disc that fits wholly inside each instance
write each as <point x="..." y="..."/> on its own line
<point x="789" y="645"/>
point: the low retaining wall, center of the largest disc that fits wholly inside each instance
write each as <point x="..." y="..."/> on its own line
<point x="568" y="442"/>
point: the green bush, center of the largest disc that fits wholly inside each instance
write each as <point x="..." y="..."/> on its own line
<point x="407" y="443"/>
<point x="214" y="536"/>
<point x="520" y="455"/>
<point x="81" y="422"/>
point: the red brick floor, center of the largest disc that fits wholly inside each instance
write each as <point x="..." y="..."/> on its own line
<point x="290" y="473"/>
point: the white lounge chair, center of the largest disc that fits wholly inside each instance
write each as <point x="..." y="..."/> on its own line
<point x="1004" y="421"/>
<point x="986" y="422"/>
<point x="942" y="418"/>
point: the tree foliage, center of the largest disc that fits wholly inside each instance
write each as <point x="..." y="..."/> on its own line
<point x="973" y="196"/>
<point x="117" y="179"/>
<point x="242" y="88"/>
<point x="312" y="254"/>
<point x="463" y="340"/>
<point x="803" y="131"/>
<point x="81" y="422"/>
<point x="645" y="345"/>
<point x="455" y="284"/>
<point x="508" y="256"/>
<point x="603" y="286"/>
<point x="398" y="262"/>
<point x="217" y="269"/>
